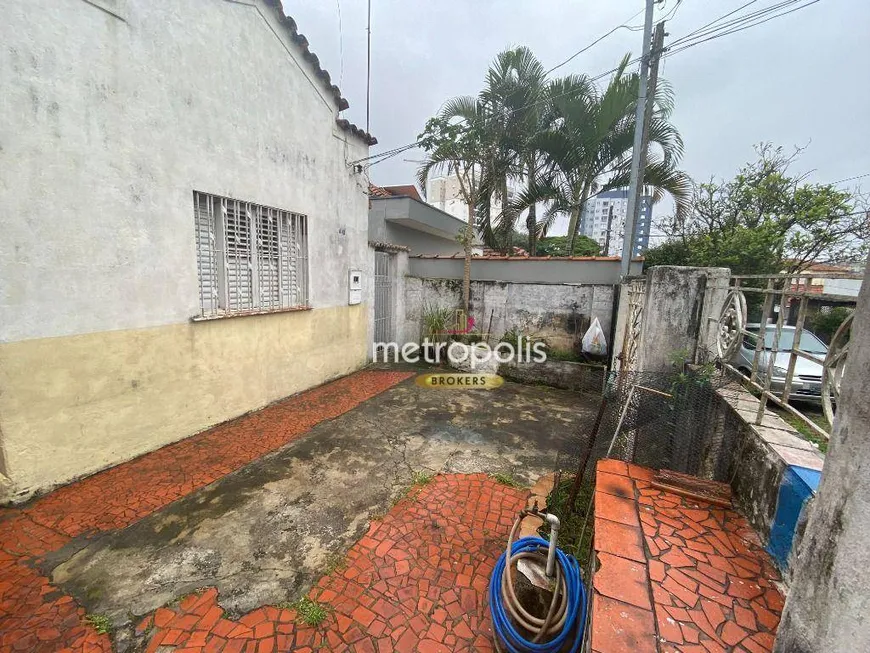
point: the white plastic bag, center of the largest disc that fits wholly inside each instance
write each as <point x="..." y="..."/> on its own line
<point x="594" y="341"/>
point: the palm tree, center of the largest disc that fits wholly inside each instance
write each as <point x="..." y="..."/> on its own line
<point x="514" y="97"/>
<point x="588" y="149"/>
<point x="509" y="110"/>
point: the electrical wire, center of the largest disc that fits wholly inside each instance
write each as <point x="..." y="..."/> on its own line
<point x="684" y="43"/>
<point x="599" y="39"/>
<point x="716" y="20"/>
<point x="840" y="181"/>
<point x="703" y="34"/>
<point x="673" y="12"/>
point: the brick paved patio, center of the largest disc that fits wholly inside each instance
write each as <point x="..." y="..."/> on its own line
<point x="36" y="616"/>
<point x="415" y="582"/>
<point x="676" y="574"/>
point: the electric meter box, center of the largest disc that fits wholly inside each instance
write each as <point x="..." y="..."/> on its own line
<point x="354" y="295"/>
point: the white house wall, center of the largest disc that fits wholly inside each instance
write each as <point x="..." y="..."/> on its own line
<point x="108" y="123"/>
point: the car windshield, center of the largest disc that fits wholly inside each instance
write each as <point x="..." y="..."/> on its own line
<point x="809" y="343"/>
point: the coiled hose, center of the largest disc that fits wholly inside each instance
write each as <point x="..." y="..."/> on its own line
<point x="568" y="603"/>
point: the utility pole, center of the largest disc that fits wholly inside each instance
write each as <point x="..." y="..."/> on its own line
<point x="637" y="150"/>
<point x="655" y="57"/>
<point x="607" y="236"/>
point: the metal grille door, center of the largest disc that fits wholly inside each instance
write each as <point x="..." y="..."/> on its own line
<point x="383" y="298"/>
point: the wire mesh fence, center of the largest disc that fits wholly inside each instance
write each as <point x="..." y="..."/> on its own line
<point x="673" y="420"/>
<point x="662" y="420"/>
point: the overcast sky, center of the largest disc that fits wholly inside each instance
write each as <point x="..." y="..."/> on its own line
<point x="803" y="79"/>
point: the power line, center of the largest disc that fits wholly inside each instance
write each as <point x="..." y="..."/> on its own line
<point x="673" y="12"/>
<point x="598" y="40"/>
<point x="713" y="22"/>
<point x="669" y="51"/>
<point x="702" y="35"/>
<point x="840" y="181"/>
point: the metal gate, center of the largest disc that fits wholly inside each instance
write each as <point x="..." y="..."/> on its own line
<point x="383" y="331"/>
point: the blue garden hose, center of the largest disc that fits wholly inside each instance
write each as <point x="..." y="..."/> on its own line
<point x="568" y="607"/>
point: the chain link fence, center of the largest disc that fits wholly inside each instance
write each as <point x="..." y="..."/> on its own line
<point x="671" y="420"/>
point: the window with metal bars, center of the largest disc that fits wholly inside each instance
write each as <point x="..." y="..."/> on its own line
<point x="250" y="258"/>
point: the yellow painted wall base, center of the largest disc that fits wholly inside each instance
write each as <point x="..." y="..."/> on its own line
<point x="74" y="405"/>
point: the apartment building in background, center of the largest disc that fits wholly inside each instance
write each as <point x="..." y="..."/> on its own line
<point x="595" y="216"/>
<point x="444" y="193"/>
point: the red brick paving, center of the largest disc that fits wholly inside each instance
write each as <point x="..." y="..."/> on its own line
<point x="676" y="574"/>
<point x="36" y="616"/>
<point x="415" y="582"/>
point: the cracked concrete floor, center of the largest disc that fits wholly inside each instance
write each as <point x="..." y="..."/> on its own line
<point x="266" y="533"/>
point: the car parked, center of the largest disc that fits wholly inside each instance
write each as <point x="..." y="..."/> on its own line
<point x="807" y="381"/>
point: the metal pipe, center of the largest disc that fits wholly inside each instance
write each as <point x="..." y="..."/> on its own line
<point x="553" y="521"/>
<point x="779" y="402"/>
<point x="771" y="359"/>
<point x="765" y="314"/>
<point x="795" y="343"/>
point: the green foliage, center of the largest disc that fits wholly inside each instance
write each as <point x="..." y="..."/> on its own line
<point x="516" y="337"/>
<point x="561" y="140"/>
<point x="671" y="252"/>
<point x="421" y="478"/>
<point x="437" y="322"/>
<point x="563" y="355"/>
<point x="507" y="479"/>
<point x="101" y="623"/>
<point x="688" y="377"/>
<point x="336" y="560"/>
<point x="310" y="612"/>
<point x="573" y="537"/>
<point x="825" y="325"/>
<point x="764" y="221"/>
<point x="802" y="428"/>
<point x="587" y="144"/>
<point x="558" y="246"/>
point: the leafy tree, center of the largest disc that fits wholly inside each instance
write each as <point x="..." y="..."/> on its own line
<point x="588" y="145"/>
<point x="516" y="90"/>
<point x="565" y="140"/>
<point x="509" y="109"/>
<point x="764" y="221"/>
<point x="457" y="148"/>
<point x="825" y="325"/>
<point x="558" y="246"/>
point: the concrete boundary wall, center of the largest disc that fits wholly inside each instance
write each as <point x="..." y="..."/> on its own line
<point x="774" y="473"/>
<point x="558" y="313"/>
<point x="541" y="270"/>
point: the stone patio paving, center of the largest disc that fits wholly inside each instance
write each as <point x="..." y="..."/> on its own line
<point x="676" y="574"/>
<point x="415" y="582"/>
<point x="248" y="515"/>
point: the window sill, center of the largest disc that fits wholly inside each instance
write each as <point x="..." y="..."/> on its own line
<point x="269" y="311"/>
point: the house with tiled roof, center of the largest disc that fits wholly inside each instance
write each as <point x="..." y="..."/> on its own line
<point x="180" y="227"/>
<point x="398" y="215"/>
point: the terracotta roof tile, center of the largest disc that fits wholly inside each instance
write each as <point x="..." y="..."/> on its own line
<point x="300" y="40"/>
<point x="407" y="190"/>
